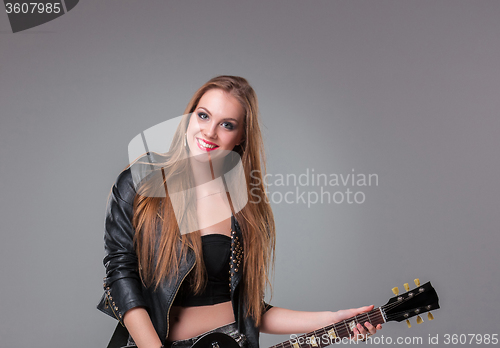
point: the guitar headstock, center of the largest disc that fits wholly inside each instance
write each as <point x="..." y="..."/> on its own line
<point x="412" y="303"/>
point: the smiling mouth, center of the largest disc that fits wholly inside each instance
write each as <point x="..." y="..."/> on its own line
<point x="205" y="145"/>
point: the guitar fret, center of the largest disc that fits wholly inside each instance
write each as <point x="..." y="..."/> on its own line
<point x="340" y="329"/>
<point x="319" y="336"/>
<point x="346" y="327"/>
<point x="382" y="314"/>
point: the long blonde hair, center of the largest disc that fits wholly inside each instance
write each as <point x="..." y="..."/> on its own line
<point x="157" y="248"/>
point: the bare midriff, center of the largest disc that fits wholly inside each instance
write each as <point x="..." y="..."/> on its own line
<point x="187" y="322"/>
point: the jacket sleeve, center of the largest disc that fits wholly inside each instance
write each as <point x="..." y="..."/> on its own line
<point x="122" y="284"/>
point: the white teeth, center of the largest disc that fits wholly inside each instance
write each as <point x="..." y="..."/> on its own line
<point x="204" y="144"/>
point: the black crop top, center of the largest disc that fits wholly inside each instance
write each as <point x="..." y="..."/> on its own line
<point x="216" y="252"/>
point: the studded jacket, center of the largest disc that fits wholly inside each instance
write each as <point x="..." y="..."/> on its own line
<point x="123" y="288"/>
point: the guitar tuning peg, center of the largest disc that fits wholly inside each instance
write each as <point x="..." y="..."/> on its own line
<point x="395" y="291"/>
<point x="419" y="320"/>
<point x="407" y="287"/>
<point x="430" y="316"/>
<point x="408" y="323"/>
<point x="417" y="282"/>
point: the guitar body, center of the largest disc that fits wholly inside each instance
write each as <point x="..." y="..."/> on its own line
<point x="216" y="340"/>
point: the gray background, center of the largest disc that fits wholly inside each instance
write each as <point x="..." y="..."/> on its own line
<point x="404" y="89"/>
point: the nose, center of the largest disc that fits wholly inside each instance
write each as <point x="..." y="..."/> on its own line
<point x="209" y="130"/>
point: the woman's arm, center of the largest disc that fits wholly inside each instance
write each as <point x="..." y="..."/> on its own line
<point x="122" y="283"/>
<point x="140" y="327"/>
<point x="286" y="321"/>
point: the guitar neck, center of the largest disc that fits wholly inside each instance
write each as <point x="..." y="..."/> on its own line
<point x="333" y="333"/>
<point x="412" y="303"/>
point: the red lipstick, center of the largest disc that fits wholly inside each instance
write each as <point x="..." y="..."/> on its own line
<point x="206" y="142"/>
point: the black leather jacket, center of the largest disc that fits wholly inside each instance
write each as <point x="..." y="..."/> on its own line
<point x="123" y="289"/>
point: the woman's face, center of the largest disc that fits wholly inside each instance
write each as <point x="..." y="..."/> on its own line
<point x="216" y="125"/>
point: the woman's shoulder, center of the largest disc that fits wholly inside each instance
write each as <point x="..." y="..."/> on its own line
<point x="124" y="187"/>
<point x="144" y="169"/>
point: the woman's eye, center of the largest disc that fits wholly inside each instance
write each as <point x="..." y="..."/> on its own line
<point x="228" y="125"/>
<point x="202" y="115"/>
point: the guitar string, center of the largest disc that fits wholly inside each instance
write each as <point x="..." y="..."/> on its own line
<point x="341" y="331"/>
<point x="341" y="327"/>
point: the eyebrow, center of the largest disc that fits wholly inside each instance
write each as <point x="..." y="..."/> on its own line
<point x="225" y="118"/>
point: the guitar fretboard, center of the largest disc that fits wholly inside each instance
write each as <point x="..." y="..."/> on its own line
<point x="333" y="333"/>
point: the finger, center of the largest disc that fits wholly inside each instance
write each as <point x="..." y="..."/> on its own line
<point x="366" y="308"/>
<point x="370" y="328"/>
<point x="360" y="310"/>
<point x="357" y="335"/>
<point x="361" y="329"/>
<point x="379" y="327"/>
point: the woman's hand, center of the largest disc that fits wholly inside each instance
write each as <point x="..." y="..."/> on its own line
<point x="360" y="329"/>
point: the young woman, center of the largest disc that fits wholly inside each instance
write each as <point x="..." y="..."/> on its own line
<point x="188" y="250"/>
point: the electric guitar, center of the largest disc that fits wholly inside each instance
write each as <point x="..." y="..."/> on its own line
<point x="401" y="307"/>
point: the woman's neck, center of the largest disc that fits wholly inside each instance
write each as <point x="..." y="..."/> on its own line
<point x="207" y="176"/>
